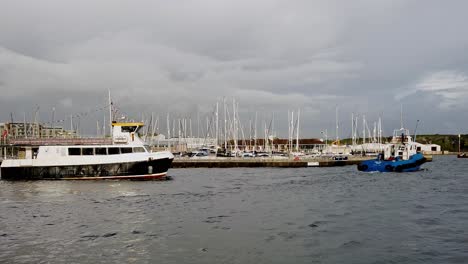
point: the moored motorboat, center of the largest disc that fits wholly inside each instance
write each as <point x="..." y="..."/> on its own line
<point x="126" y="158"/>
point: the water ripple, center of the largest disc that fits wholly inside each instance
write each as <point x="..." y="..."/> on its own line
<point x="244" y="215"/>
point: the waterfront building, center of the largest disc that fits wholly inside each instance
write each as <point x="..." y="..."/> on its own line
<point x="17" y="130"/>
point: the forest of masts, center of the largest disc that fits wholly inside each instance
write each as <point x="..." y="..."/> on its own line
<point x="223" y="125"/>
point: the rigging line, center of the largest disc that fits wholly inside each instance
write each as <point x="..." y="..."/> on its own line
<point x="80" y="115"/>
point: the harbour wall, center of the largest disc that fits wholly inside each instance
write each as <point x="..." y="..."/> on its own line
<point x="239" y="162"/>
<point x="275" y="163"/>
<point x="283" y="163"/>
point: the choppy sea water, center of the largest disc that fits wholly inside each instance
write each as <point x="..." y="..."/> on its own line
<point x="254" y="215"/>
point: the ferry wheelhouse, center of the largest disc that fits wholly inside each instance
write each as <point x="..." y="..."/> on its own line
<point x="126" y="157"/>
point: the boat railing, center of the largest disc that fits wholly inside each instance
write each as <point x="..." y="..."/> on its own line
<point x="60" y="141"/>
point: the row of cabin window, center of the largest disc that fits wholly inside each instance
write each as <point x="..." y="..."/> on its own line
<point x="103" y="151"/>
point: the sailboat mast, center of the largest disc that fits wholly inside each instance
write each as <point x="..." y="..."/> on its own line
<point x="297" y="132"/>
<point x="110" y="115"/>
<point x="363" y="129"/>
<point x="255" y="133"/>
<point x="337" y="127"/>
<point x="459" y="144"/>
<point x="217" y="123"/>
<point x="353" y="142"/>
<point x="225" y="125"/>
<point x="168" y="131"/>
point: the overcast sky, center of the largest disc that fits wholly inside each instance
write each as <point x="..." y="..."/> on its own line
<point x="367" y="57"/>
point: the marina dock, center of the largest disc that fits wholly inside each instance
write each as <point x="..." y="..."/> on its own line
<point x="266" y="162"/>
<point x="278" y="163"/>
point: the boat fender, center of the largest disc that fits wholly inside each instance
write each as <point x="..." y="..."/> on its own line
<point x="362" y="167"/>
<point x="398" y="168"/>
<point x="389" y="167"/>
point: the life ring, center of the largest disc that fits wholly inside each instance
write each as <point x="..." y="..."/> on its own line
<point x="362" y="167"/>
<point x="389" y="167"/>
<point x="399" y="168"/>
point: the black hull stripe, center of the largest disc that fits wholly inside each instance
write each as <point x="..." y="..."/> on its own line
<point x="130" y="177"/>
<point x="141" y="169"/>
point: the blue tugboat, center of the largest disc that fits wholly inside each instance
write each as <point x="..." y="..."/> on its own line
<point x="399" y="156"/>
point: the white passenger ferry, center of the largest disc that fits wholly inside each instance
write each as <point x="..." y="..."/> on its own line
<point x="126" y="158"/>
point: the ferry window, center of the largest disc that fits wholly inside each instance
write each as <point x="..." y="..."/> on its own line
<point x="129" y="128"/>
<point x="88" y="151"/>
<point x="100" y="151"/>
<point x="138" y="149"/>
<point x="74" y="151"/>
<point x="113" y="151"/>
<point x="125" y="150"/>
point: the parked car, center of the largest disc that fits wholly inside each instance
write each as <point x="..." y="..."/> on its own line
<point x="198" y="154"/>
<point x="248" y="155"/>
<point x="339" y="157"/>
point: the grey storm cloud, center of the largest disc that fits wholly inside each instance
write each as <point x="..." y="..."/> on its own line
<point x="180" y="57"/>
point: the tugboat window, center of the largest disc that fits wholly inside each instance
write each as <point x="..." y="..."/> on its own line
<point x="138" y="149"/>
<point x="114" y="151"/>
<point x="74" y="152"/>
<point x="88" y="151"/>
<point x="129" y="128"/>
<point x="125" y="150"/>
<point x="100" y="151"/>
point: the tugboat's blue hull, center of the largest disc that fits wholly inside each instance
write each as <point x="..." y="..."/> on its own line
<point x="396" y="165"/>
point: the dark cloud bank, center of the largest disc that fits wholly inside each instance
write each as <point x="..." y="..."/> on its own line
<point x="366" y="57"/>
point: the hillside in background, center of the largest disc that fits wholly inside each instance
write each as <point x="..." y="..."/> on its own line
<point x="447" y="142"/>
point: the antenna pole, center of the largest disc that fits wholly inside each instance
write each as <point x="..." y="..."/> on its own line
<point x="417" y="122"/>
<point x="401" y="116"/>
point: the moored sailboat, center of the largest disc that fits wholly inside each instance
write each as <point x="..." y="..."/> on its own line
<point x="460" y="154"/>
